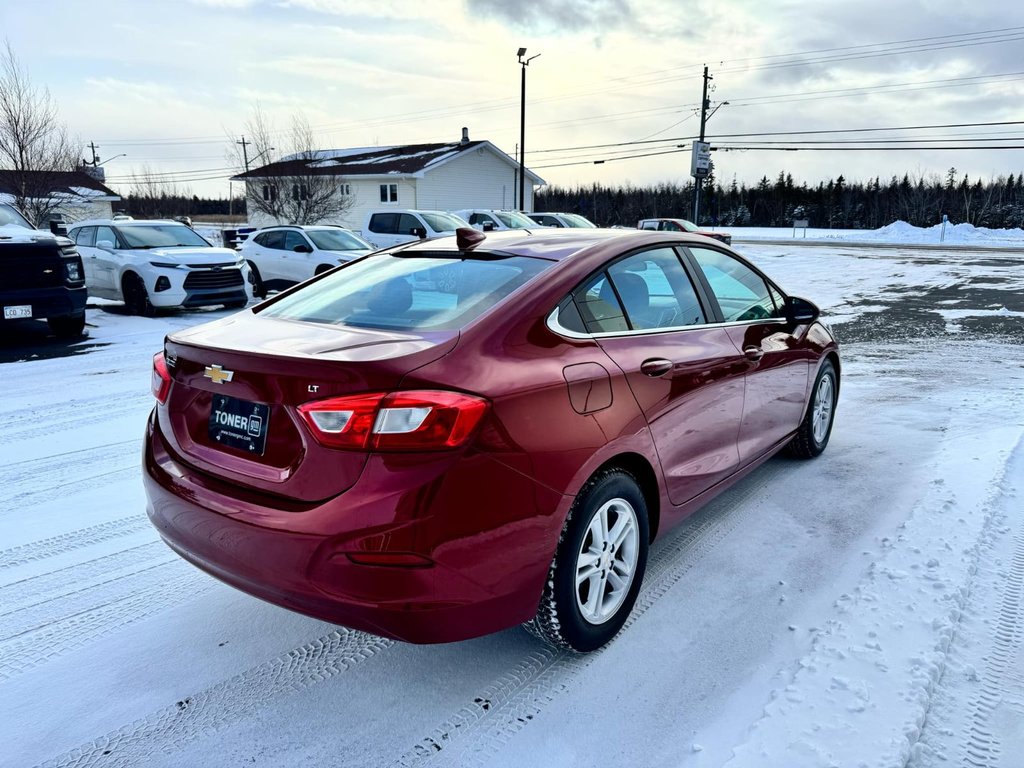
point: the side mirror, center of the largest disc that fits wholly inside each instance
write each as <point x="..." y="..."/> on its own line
<point x="106" y="245"/>
<point x="58" y="228"/>
<point x="420" y="232"/>
<point x="301" y="248"/>
<point x="488" y="226"/>
<point x="801" y="311"/>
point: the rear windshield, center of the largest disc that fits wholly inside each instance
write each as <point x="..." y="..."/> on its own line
<point x="408" y="293"/>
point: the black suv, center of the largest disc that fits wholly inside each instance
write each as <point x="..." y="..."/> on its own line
<point x="40" y="276"/>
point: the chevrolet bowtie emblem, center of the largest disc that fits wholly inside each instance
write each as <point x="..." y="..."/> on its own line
<point x="217" y="374"/>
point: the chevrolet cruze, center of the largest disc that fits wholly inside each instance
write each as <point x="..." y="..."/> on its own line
<point x="456" y="436"/>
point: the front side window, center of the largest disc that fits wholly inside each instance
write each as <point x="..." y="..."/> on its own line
<point x="408" y="224"/>
<point x="515" y="220"/>
<point x="337" y="240"/>
<point x="389" y="193"/>
<point x="577" y="221"/>
<point x="106" y="236"/>
<point x="548" y="221"/>
<point x="742" y="294"/>
<point x="293" y="240"/>
<point x="408" y="293"/>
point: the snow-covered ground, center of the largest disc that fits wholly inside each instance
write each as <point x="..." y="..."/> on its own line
<point x="862" y="609"/>
<point x="899" y="232"/>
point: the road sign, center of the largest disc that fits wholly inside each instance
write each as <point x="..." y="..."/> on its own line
<point x="700" y="160"/>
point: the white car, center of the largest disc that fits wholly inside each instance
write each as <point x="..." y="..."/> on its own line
<point x="487" y="219"/>
<point x="280" y="257"/>
<point x="388" y="227"/>
<point x="150" y="264"/>
<point x="562" y="220"/>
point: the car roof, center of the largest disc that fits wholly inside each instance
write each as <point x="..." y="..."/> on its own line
<point x="304" y="227"/>
<point x="554" y="244"/>
<point x="124" y="223"/>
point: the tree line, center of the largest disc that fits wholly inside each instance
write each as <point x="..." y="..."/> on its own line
<point x="920" y="200"/>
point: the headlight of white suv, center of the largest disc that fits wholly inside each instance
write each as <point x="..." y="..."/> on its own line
<point x="164" y="264"/>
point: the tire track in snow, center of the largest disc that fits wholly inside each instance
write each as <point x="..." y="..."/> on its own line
<point x="68" y="416"/>
<point x="169" y="729"/>
<point x="67" y="542"/>
<point x="983" y="748"/>
<point x="37" y="480"/>
<point x="149" y="579"/>
<point x="41" y="644"/>
<point x="509" y="704"/>
<point x="56" y="583"/>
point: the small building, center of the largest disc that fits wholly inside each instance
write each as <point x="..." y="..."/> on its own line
<point x="76" y="195"/>
<point x="446" y="177"/>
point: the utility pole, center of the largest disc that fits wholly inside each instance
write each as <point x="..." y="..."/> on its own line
<point x="515" y="183"/>
<point x="698" y="180"/>
<point x="245" y="146"/>
<point x="95" y="158"/>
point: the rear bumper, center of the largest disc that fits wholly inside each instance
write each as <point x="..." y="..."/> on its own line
<point x="58" y="301"/>
<point x="485" y="558"/>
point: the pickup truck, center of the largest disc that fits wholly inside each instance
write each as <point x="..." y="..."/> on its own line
<point x="41" y="276"/>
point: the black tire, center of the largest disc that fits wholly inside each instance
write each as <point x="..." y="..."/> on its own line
<point x="258" y="289"/>
<point x="806" y="443"/>
<point x="560" y="619"/>
<point x="136" y="297"/>
<point x="68" y="326"/>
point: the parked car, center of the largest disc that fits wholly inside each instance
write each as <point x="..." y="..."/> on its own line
<point x="491" y="220"/>
<point x="280" y="257"/>
<point x="682" y="225"/>
<point x="457" y="436"/>
<point x="388" y="227"/>
<point x="156" y="263"/>
<point x="570" y="220"/>
<point x="41" y="276"/>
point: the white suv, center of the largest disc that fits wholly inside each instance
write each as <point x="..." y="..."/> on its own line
<point x="486" y="219"/>
<point x="280" y="257"/>
<point x="150" y="264"/>
<point x="388" y="227"/>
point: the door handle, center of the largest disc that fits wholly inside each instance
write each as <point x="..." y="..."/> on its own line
<point x="656" y="366"/>
<point x="753" y="353"/>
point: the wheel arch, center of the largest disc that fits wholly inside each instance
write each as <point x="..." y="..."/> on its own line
<point x="640" y="468"/>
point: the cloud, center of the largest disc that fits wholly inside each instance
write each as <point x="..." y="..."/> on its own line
<point x="556" y="15"/>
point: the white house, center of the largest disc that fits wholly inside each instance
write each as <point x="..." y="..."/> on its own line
<point x="75" y="194"/>
<point x="446" y="177"/>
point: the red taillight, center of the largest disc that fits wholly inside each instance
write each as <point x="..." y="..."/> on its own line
<point x="416" y="420"/>
<point x="161" y="381"/>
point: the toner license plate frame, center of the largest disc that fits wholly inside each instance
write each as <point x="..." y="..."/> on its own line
<point x="239" y="424"/>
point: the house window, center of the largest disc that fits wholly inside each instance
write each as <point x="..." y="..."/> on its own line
<point x="345" y="189"/>
<point x="300" y="192"/>
<point x="389" y="193"/>
<point x="270" y="192"/>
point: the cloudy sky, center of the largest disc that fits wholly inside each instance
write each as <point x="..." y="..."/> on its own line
<point x="166" y="81"/>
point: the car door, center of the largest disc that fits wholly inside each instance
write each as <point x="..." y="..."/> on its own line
<point x="85" y="239"/>
<point x="777" y="360"/>
<point x="685" y="374"/>
<point x="270" y="256"/>
<point x="296" y="256"/>
<point x="108" y="262"/>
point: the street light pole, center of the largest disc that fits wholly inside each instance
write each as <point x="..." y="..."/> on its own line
<point x="524" y="63"/>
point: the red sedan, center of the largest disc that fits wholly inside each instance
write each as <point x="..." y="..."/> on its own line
<point x="455" y="436"/>
<point x="682" y="225"/>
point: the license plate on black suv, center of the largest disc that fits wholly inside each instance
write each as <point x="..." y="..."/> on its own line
<point x="239" y="424"/>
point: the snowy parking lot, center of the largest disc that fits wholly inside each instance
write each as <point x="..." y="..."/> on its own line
<point x="862" y="609"/>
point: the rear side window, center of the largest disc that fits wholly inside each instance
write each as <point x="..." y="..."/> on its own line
<point x="273" y="239"/>
<point x="408" y="293"/>
<point x="384" y="223"/>
<point x="741" y="292"/>
<point x="599" y="307"/>
<point x="86" y="236"/>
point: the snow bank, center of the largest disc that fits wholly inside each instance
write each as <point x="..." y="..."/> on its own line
<point x="896" y="233"/>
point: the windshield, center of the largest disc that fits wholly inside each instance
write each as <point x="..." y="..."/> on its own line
<point x="515" y="220"/>
<point x="443" y="222"/>
<point x="408" y="292"/>
<point x="337" y="240"/>
<point x="160" y="236"/>
<point x="577" y="221"/>
<point x="9" y="216"/>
